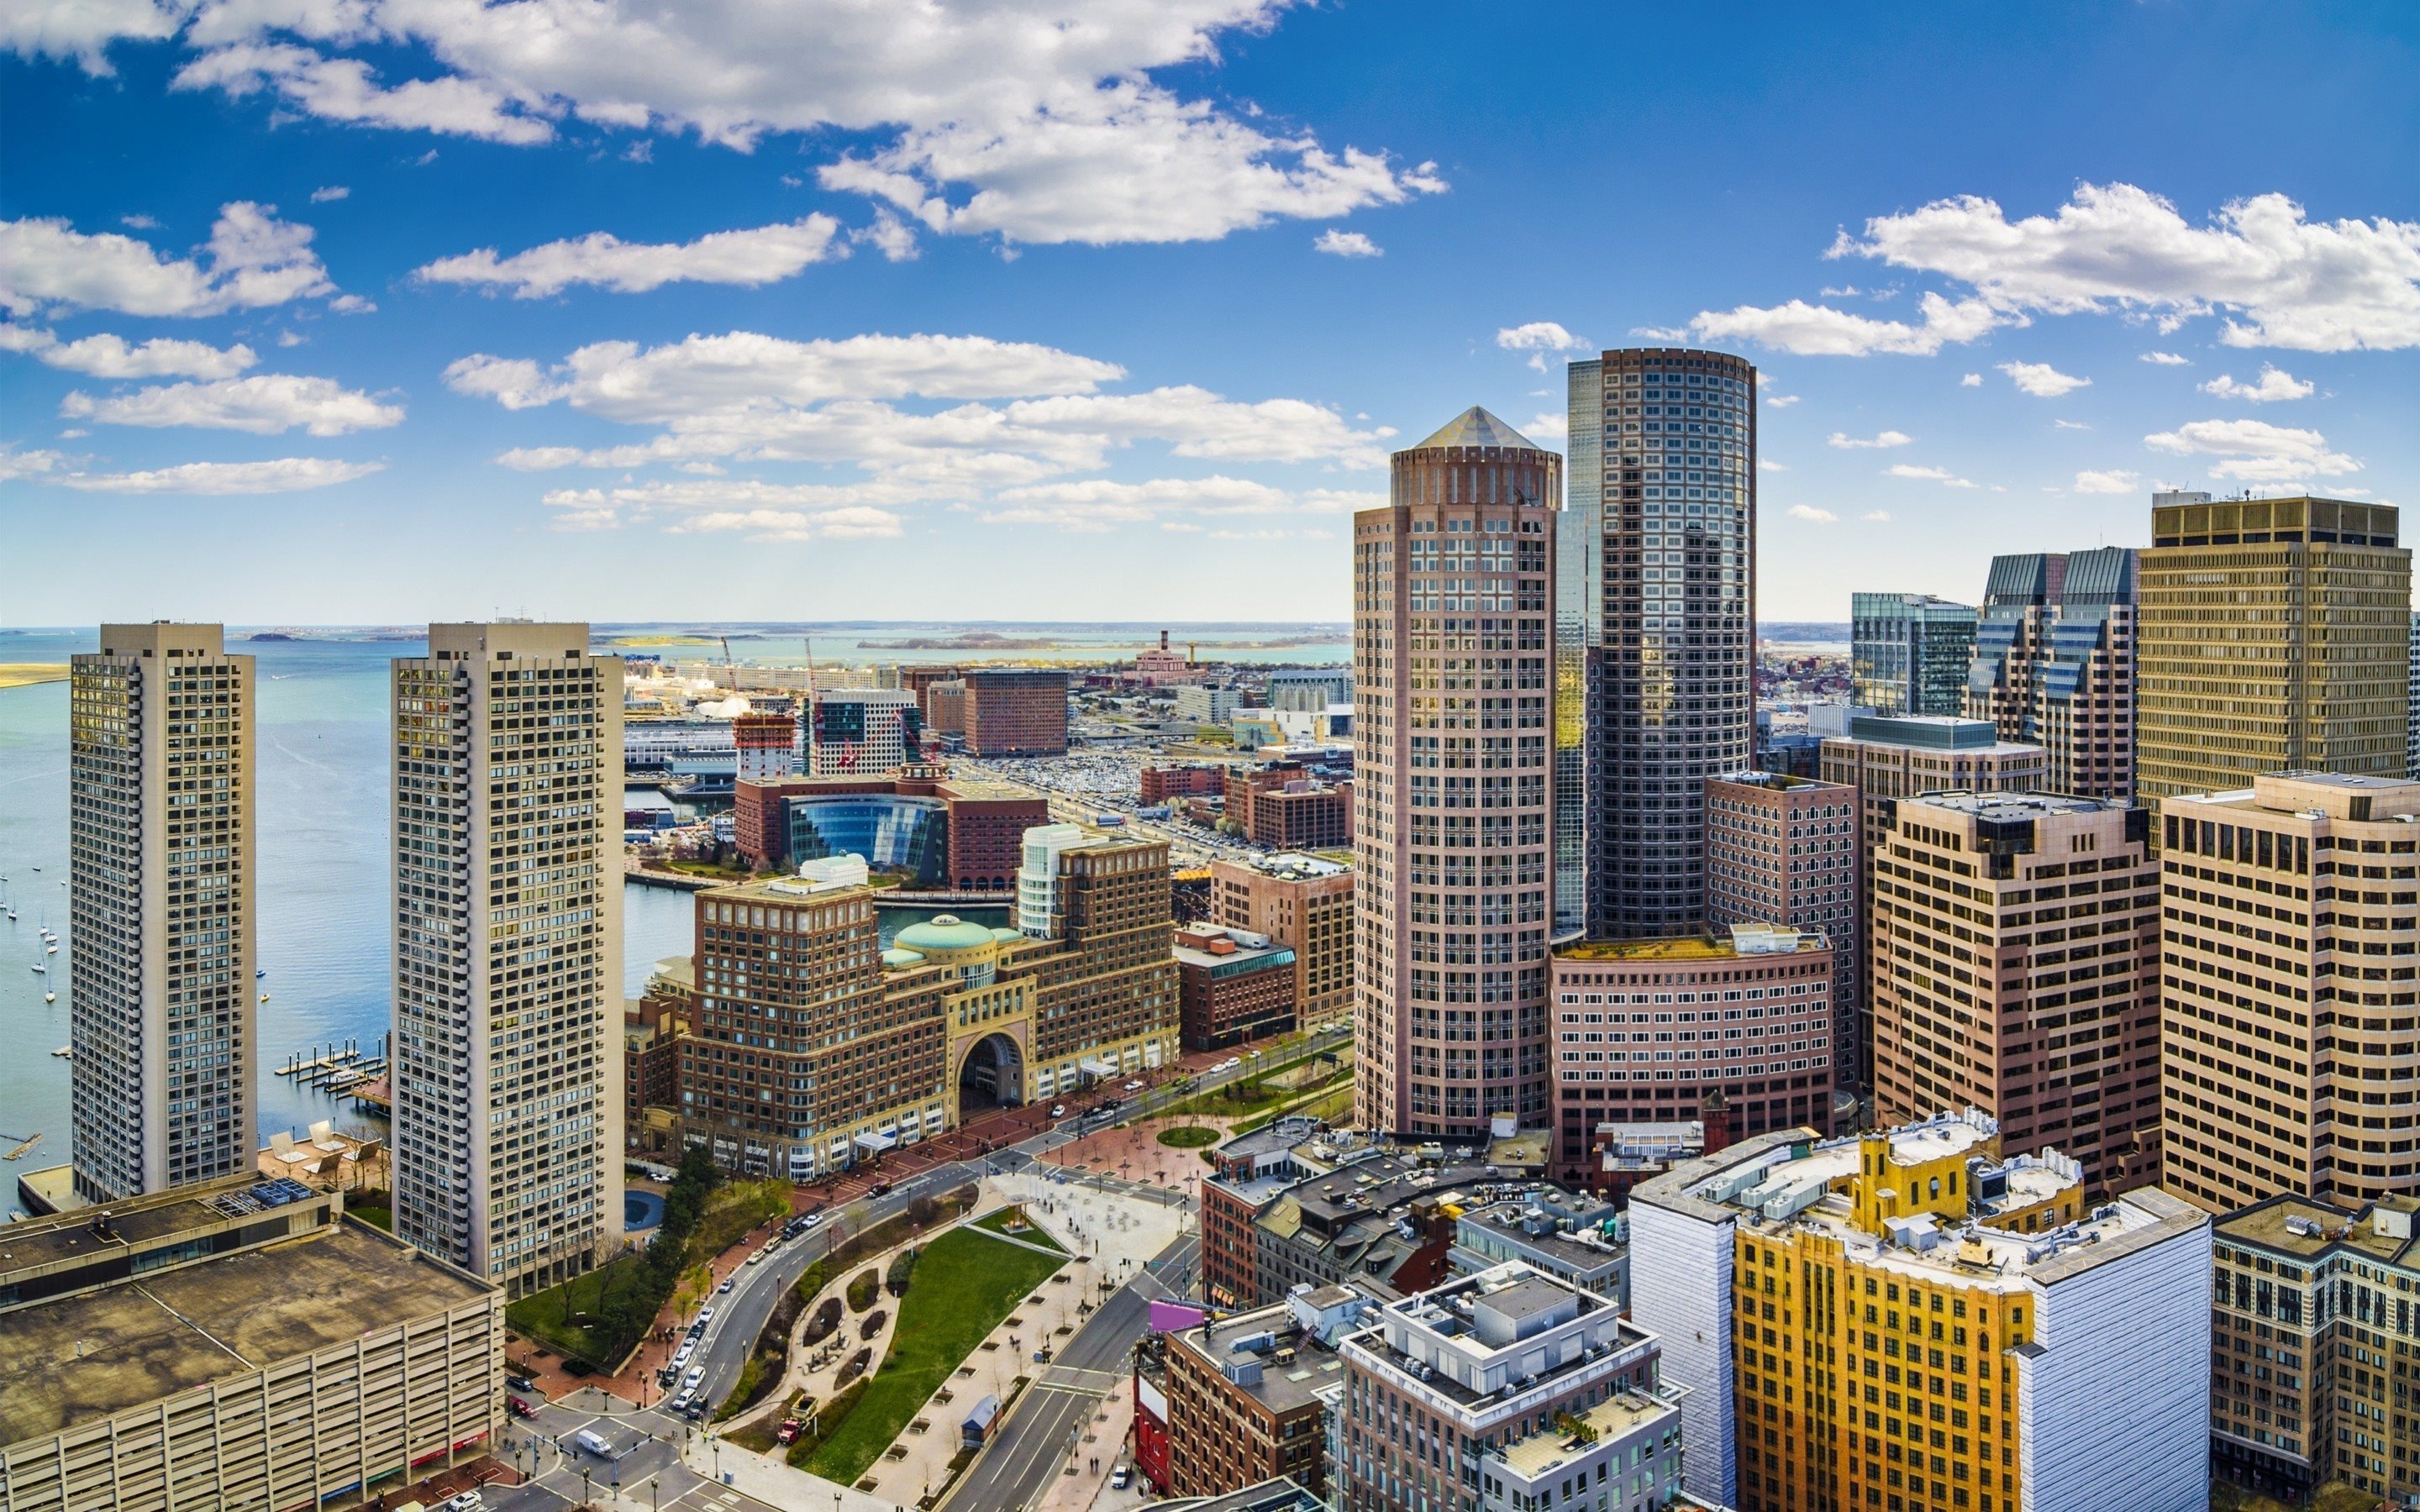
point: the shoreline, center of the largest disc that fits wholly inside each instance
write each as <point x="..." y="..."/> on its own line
<point x="31" y="673"/>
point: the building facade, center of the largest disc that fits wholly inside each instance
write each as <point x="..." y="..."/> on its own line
<point x="1157" y="785"/>
<point x="957" y="833"/>
<point x="1203" y="704"/>
<point x="1301" y="902"/>
<point x="1284" y="806"/>
<point x="1887" y="760"/>
<point x="162" y="899"/>
<point x="507" y="1042"/>
<point x="1447" y="1383"/>
<point x="2275" y="637"/>
<point x="864" y="731"/>
<point x="1655" y="623"/>
<point x="1242" y="1393"/>
<point x="1647" y="1030"/>
<point x="1833" y="1305"/>
<point x="1908" y="652"/>
<point x="234" y="1344"/>
<point x="2288" y="995"/>
<point x="1233" y="986"/>
<point x="765" y="746"/>
<point x="1452" y="814"/>
<point x="2055" y="665"/>
<point x="2016" y="956"/>
<point x="1783" y="850"/>
<point x="1016" y="711"/>
<point x="1310" y="689"/>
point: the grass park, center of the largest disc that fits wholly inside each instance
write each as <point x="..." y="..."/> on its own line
<point x="965" y="1284"/>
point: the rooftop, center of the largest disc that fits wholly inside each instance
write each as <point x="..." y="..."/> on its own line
<point x="1745" y="941"/>
<point x="77" y="1358"/>
<point x="1614" y="1420"/>
<point x="1284" y="1386"/>
<point x="1474" y="427"/>
<point x="2017" y="805"/>
<point x="2297" y="1225"/>
<point x="1933" y="732"/>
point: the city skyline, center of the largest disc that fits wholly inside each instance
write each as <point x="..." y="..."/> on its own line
<point x="1020" y="392"/>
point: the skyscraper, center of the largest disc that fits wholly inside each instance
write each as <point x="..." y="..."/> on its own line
<point x="1655" y="622"/>
<point x="1451" y="809"/>
<point x="2288" y="1008"/>
<point x="863" y="732"/>
<point x="2275" y="637"/>
<point x="507" y="1053"/>
<point x="160" y="900"/>
<point x="1784" y="850"/>
<point x="2055" y="665"/>
<point x="1908" y="651"/>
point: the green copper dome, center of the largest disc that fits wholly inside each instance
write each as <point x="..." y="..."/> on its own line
<point x="942" y="931"/>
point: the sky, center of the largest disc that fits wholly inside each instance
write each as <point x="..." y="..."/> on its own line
<point x="389" y="311"/>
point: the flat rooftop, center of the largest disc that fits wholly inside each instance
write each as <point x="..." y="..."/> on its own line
<point x="2017" y="805"/>
<point x="1283" y="1387"/>
<point x="1614" y="1419"/>
<point x="2317" y="1228"/>
<point x="88" y="1356"/>
<point x="1687" y="948"/>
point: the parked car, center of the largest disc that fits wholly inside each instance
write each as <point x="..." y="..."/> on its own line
<point x="815" y="1218"/>
<point x="1134" y="1087"/>
<point x="1119" y="1477"/>
<point x="1057" y="1110"/>
<point x="730" y="1281"/>
<point x="878" y="1189"/>
<point x="469" y="1501"/>
<point x="696" y="1374"/>
<point x="520" y="1383"/>
<point x="704" y="1316"/>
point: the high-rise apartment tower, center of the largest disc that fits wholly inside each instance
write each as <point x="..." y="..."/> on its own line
<point x="2055" y="665"/>
<point x="162" y="907"/>
<point x="1655" y="632"/>
<point x="507" y="1053"/>
<point x="1451" y="809"/>
<point x="2275" y="637"/>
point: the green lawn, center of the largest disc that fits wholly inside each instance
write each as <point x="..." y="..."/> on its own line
<point x="965" y="1284"/>
<point x="374" y="1212"/>
<point x="1033" y="1234"/>
<point x="542" y="1316"/>
<point x="1188" y="1136"/>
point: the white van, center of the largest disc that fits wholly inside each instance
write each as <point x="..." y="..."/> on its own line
<point x="583" y="1440"/>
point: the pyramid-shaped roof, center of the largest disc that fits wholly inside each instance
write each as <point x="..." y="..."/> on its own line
<point x="1474" y="427"/>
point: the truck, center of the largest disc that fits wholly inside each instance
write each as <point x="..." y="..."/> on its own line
<point x="1109" y="821"/>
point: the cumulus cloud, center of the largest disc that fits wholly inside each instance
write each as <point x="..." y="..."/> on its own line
<point x="2165" y="359"/>
<point x="255" y="260"/>
<point x="1347" y="244"/>
<point x="749" y="258"/>
<point x="264" y="405"/>
<point x="1924" y="474"/>
<point x="1033" y="125"/>
<point x="107" y="356"/>
<point x="1099" y="504"/>
<point x="1781" y="401"/>
<point x="2042" y="380"/>
<point x="890" y="236"/>
<point x="1877" y="516"/>
<point x="2277" y="278"/>
<point x="1538" y="338"/>
<point x="1971" y="380"/>
<point x="2273" y="385"/>
<point x="81" y="32"/>
<point x="1548" y="425"/>
<point x="1820" y="331"/>
<point x="1813" y="515"/>
<point x="1883" y="441"/>
<point x="291" y="474"/>
<point x="2116" y="480"/>
<point x="325" y="192"/>
<point x="15" y="464"/>
<point x="2254" y="450"/>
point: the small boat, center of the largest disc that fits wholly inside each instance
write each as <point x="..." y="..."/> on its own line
<point x="65" y="1052"/>
<point x="262" y="972"/>
<point x="50" y="997"/>
<point x="50" y="949"/>
<point x="264" y="997"/>
<point x="40" y="970"/>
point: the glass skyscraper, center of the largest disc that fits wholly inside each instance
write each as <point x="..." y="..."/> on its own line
<point x="1908" y="652"/>
<point x="1655" y="632"/>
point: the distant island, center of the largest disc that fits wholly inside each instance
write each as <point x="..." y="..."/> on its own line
<point x="28" y="673"/>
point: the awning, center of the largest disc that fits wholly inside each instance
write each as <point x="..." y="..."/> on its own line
<point x="875" y="1142"/>
<point x="1096" y="1066"/>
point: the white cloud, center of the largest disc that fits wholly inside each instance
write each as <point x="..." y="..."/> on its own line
<point x="140" y="223"/>
<point x="284" y="475"/>
<point x="264" y="405"/>
<point x="1882" y="442"/>
<point x="343" y="89"/>
<point x="2068" y="424"/>
<point x="2042" y="380"/>
<point x="1820" y="331"/>
<point x="2115" y="481"/>
<point x="1539" y="335"/>
<point x="1200" y="424"/>
<point x="255" y="260"/>
<point x="2280" y="279"/>
<point x="1100" y="504"/>
<point x="2274" y="384"/>
<point x="1940" y="475"/>
<point x="1551" y="426"/>
<point x="80" y="31"/>
<point x="890" y="236"/>
<point x="1878" y="517"/>
<point x="325" y="192"/>
<point x="15" y="464"/>
<point x="2254" y="450"/>
<point x="1971" y="380"/>
<point x="1813" y="515"/>
<point x="1781" y="401"/>
<point x="2165" y="359"/>
<point x="745" y="258"/>
<point x="743" y="369"/>
<point x="107" y="356"/>
<point x="1766" y="464"/>
<point x="1347" y="244"/>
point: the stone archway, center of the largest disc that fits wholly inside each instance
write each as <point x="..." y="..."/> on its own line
<point x="991" y="1075"/>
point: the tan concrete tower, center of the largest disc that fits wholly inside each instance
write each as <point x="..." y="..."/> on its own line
<point x="1453" y="835"/>
<point x="163" y="905"/>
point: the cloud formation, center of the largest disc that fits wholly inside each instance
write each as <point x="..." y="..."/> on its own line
<point x="1346" y="244"/>
<point x="289" y="474"/>
<point x="1926" y="474"/>
<point x="2117" y="480"/>
<point x="2272" y="386"/>
<point x="1882" y="442"/>
<point x="267" y="404"/>
<point x="255" y="260"/>
<point x="2254" y="450"/>
<point x="2042" y="380"/>
<point x="1812" y="515"/>
<point x="748" y="259"/>
<point x="107" y="356"/>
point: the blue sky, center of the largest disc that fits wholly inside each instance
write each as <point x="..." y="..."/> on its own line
<point x="332" y="311"/>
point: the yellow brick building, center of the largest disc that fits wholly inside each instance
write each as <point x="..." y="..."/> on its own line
<point x="1917" y="1325"/>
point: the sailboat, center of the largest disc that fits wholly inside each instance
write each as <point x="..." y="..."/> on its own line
<point x="50" y="997"/>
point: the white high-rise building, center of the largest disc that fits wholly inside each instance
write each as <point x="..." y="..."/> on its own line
<point x="507" y="1053"/>
<point x="862" y="731"/>
<point x="161" y="901"/>
<point x="1037" y="877"/>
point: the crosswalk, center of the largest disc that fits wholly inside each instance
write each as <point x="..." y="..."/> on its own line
<point x="1077" y="1380"/>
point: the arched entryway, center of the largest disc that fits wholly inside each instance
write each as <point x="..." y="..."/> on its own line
<point x="992" y="1075"/>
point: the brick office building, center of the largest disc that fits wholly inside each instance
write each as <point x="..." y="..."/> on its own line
<point x="1233" y="990"/>
<point x="1282" y="805"/>
<point x="1016" y="711"/>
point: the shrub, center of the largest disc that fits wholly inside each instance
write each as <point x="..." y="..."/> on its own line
<point x="873" y="1325"/>
<point x="827" y="1318"/>
<point x="902" y="1265"/>
<point x="862" y="1290"/>
<point x="821" y="1424"/>
<point x="855" y="1366"/>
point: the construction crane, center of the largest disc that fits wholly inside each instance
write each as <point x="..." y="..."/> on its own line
<point x="730" y="668"/>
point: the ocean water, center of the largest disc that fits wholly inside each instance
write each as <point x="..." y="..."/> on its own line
<point x="321" y="775"/>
